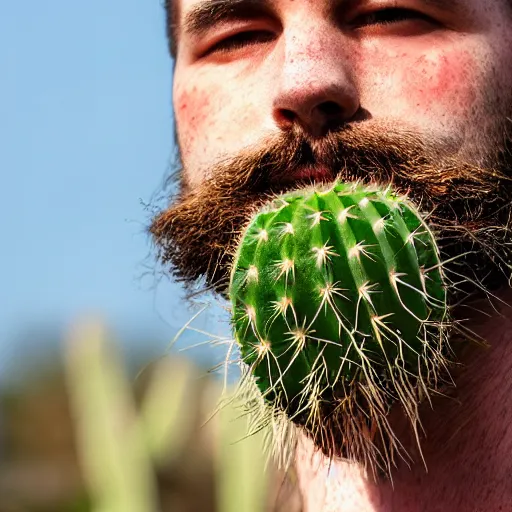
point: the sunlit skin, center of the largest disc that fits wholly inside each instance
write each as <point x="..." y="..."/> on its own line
<point x="435" y="77"/>
<point x="438" y="68"/>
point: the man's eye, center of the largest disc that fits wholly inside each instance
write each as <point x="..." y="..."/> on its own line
<point x="388" y="17"/>
<point x="241" y="40"/>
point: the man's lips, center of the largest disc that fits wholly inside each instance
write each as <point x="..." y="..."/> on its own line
<point x="308" y="173"/>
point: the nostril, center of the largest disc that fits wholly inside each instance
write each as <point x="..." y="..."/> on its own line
<point x="288" y="115"/>
<point x="330" y="109"/>
<point x="316" y="117"/>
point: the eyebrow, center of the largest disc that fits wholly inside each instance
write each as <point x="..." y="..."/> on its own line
<point x="206" y="15"/>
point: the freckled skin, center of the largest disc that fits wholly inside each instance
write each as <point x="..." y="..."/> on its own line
<point x="428" y="83"/>
<point x="450" y="82"/>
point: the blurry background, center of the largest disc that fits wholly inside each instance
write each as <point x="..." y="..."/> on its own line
<point x="86" y="143"/>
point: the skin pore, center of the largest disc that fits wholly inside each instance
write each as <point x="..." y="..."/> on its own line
<point x="247" y="70"/>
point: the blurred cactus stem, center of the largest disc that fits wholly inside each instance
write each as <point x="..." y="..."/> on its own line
<point x="240" y="459"/>
<point x="112" y="447"/>
<point x="165" y="414"/>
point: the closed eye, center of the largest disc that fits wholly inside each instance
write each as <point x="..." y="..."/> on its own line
<point x="241" y="40"/>
<point x="388" y="17"/>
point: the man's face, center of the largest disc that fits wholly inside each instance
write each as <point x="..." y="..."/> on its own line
<point x="248" y="69"/>
<point x="269" y="94"/>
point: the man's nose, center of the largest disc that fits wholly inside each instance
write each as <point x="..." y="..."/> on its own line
<point x="315" y="86"/>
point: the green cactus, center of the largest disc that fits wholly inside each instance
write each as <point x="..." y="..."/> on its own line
<point x="340" y="311"/>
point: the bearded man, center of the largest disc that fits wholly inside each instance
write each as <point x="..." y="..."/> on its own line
<point x="271" y="94"/>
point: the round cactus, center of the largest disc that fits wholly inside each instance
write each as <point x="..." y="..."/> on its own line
<point x="339" y="311"/>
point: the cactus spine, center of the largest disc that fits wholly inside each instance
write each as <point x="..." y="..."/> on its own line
<point x="339" y="311"/>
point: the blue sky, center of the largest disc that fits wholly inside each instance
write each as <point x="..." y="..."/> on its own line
<point x="86" y="130"/>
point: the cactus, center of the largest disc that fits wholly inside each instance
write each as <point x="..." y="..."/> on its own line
<point x="340" y="311"/>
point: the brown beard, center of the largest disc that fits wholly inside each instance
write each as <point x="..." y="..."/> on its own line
<point x="468" y="207"/>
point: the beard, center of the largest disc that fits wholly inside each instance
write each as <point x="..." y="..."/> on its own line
<point x="468" y="208"/>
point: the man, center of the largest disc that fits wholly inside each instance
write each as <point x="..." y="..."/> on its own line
<point x="271" y="93"/>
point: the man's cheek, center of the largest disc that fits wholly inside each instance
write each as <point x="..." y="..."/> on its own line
<point x="192" y="108"/>
<point x="443" y="84"/>
<point x="424" y="88"/>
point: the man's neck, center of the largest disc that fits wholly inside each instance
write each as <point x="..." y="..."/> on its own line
<point x="467" y="445"/>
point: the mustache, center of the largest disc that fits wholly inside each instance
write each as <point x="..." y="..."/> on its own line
<point x="196" y="237"/>
<point x="410" y="163"/>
